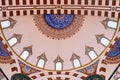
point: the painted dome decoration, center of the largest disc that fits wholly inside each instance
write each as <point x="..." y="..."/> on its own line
<point x="5" y="54"/>
<point x="113" y="56"/>
<point x="58" y="21"/>
<point x="115" y="51"/>
<point x="3" y="51"/>
<point x="59" y="39"/>
<point x="56" y="26"/>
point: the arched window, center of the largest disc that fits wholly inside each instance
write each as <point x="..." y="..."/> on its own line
<point x="41" y="60"/>
<point x="58" y="66"/>
<point x="76" y="63"/>
<point x="58" y="63"/>
<point x="112" y="24"/>
<point x="104" y="41"/>
<point x="41" y="63"/>
<point x="92" y="55"/>
<point x="12" y="41"/>
<point x="16" y="38"/>
<point x="25" y="55"/>
<point x="75" y="59"/>
<point x="90" y="52"/>
<point x="109" y="23"/>
<point x="27" y="51"/>
<point x="5" y="24"/>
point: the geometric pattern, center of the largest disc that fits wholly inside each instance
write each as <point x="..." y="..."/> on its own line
<point x="106" y="8"/>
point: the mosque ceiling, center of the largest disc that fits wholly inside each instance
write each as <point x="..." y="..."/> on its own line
<point x="59" y="39"/>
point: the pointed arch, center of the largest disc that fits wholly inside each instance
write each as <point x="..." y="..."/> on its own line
<point x="102" y="40"/>
<point x="25" y="55"/>
<point x="7" y="23"/>
<point x="41" y="60"/>
<point x="109" y="23"/>
<point x="76" y="63"/>
<point x="41" y="63"/>
<point x="12" y="41"/>
<point x="27" y="51"/>
<point x="75" y="59"/>
<point x="16" y="38"/>
<point x="92" y="55"/>
<point x="90" y="52"/>
<point x="58" y="63"/>
<point x="112" y="24"/>
<point x="58" y="66"/>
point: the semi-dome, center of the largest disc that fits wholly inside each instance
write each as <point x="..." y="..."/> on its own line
<point x="59" y="39"/>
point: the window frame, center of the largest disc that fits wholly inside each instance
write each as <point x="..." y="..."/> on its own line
<point x="14" y="43"/>
<point x="60" y="66"/>
<point x="43" y="65"/>
<point x="74" y="63"/>
<point x="27" y="56"/>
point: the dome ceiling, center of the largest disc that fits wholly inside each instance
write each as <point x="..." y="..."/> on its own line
<point x="44" y="38"/>
<point x="58" y="26"/>
<point x="35" y="33"/>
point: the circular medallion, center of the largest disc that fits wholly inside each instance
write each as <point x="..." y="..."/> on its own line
<point x="58" y="26"/>
<point x="94" y="77"/>
<point x="20" y="76"/>
<point x="58" y="21"/>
